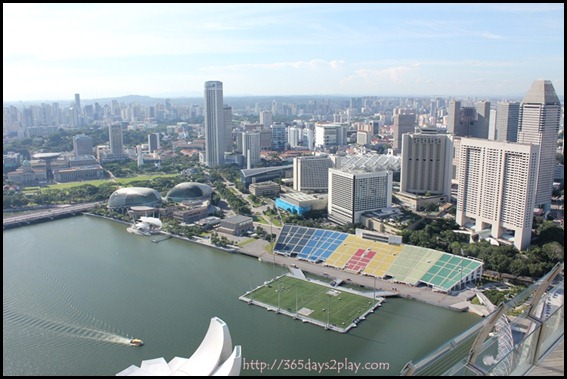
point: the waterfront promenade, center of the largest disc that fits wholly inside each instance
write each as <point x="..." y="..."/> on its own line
<point x="258" y="250"/>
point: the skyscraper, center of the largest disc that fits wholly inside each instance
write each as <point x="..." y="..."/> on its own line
<point x="352" y="193"/>
<point x="251" y="148"/>
<point x="82" y="145"/>
<point x="279" y="137"/>
<point x="266" y="118"/>
<point x="78" y="104"/>
<point x="482" y="120"/>
<point x="497" y="188"/>
<point x="311" y="173"/>
<point x="77" y="111"/>
<point x="540" y="116"/>
<point x="464" y="121"/>
<point x="426" y="163"/>
<point x="153" y="142"/>
<point x="215" y="134"/>
<point x="404" y="122"/>
<point x="227" y="109"/>
<point x="507" y="121"/>
<point x="116" y="141"/>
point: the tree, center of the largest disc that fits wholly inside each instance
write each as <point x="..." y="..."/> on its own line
<point x="518" y="267"/>
<point x="431" y="207"/>
<point x="549" y="232"/>
<point x="553" y="252"/>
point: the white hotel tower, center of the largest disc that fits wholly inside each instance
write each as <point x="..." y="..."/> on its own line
<point x="311" y="173"/>
<point x="354" y="192"/>
<point x="497" y="183"/>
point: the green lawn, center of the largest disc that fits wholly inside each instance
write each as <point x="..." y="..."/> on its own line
<point x="260" y="219"/>
<point x="339" y="308"/>
<point x="246" y="242"/>
<point x="122" y="181"/>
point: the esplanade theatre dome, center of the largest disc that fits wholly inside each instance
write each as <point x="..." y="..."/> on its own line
<point x="133" y="196"/>
<point x="189" y="191"/>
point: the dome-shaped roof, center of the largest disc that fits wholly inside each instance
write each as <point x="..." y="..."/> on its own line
<point x="189" y="191"/>
<point x="132" y="196"/>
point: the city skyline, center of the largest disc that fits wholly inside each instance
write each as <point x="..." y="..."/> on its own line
<point x="52" y="51"/>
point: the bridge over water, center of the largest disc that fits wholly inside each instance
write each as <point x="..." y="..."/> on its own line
<point x="47" y="214"/>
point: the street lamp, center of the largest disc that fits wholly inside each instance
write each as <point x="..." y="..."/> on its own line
<point x="329" y="312"/>
<point x="272" y="250"/>
<point x="251" y="292"/>
<point x="296" y="307"/>
<point x="461" y="270"/>
<point x="374" y="289"/>
<point x="278" y="297"/>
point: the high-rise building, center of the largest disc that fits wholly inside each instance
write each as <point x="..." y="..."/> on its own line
<point x="353" y="193"/>
<point x="540" y="116"/>
<point x="116" y="141"/>
<point x="308" y="138"/>
<point x="265" y="138"/>
<point x="266" y="118"/>
<point x="482" y="120"/>
<point x="497" y="182"/>
<point x="460" y="120"/>
<point x="82" y="145"/>
<point x="404" y="122"/>
<point x="76" y="111"/>
<point x="215" y="126"/>
<point x="251" y="148"/>
<point x="492" y="126"/>
<point x="507" y="121"/>
<point x="279" y="137"/>
<point x="327" y="135"/>
<point x="294" y="136"/>
<point x="78" y="104"/>
<point x="426" y="163"/>
<point x="311" y="173"/>
<point x="153" y="142"/>
<point x="227" y="109"/>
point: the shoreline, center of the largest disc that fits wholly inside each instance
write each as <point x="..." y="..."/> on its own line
<point x="257" y="250"/>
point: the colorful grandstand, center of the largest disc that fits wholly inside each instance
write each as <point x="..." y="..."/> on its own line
<point x="407" y="264"/>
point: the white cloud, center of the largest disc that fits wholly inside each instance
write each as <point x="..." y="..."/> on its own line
<point x="310" y="64"/>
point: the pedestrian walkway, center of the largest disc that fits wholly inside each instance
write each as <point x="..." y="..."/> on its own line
<point x="553" y="364"/>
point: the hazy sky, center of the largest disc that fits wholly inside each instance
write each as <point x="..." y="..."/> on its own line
<point x="52" y="51"/>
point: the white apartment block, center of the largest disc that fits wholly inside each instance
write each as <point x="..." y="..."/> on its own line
<point x="311" y="173"/>
<point x="497" y="183"/>
<point x="426" y="163"/>
<point x="251" y="148"/>
<point x="353" y="193"/>
<point x="327" y="135"/>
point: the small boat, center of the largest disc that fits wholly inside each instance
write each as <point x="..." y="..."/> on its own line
<point x="136" y="342"/>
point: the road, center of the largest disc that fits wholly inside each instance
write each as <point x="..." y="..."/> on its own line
<point x="47" y="213"/>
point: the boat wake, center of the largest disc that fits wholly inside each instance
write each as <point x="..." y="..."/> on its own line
<point x="36" y="319"/>
<point x="36" y="324"/>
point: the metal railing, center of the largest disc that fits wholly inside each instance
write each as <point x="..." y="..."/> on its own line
<point x="509" y="341"/>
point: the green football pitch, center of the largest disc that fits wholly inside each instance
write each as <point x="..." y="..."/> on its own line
<point x="332" y="306"/>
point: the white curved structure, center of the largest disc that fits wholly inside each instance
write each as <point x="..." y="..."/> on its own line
<point x="153" y="221"/>
<point x="232" y="366"/>
<point x="146" y="226"/>
<point x="214" y="356"/>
